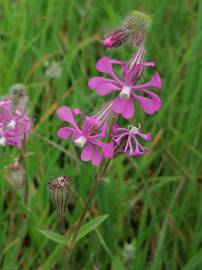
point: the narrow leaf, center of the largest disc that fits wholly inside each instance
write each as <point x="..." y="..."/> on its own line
<point x="90" y="226"/>
<point x="56" y="237"/>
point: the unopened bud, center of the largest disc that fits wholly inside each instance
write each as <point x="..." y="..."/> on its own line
<point x="15" y="174"/>
<point x="60" y="190"/>
<point x="115" y="38"/>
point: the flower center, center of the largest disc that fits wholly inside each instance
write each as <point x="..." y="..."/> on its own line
<point x="11" y="124"/>
<point x="81" y="141"/>
<point x="2" y="141"/>
<point x="134" y="129"/>
<point x="125" y="92"/>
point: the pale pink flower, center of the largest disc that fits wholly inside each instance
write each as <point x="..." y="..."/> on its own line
<point x="14" y="123"/>
<point x="127" y="88"/>
<point x="88" y="137"/>
<point x="126" y="140"/>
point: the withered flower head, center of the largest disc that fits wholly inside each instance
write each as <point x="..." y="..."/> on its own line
<point x="60" y="190"/>
<point x="15" y="174"/>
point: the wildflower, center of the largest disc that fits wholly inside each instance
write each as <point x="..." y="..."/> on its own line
<point x="132" y="31"/>
<point x="60" y="189"/>
<point x="15" y="173"/>
<point x="125" y="140"/>
<point x="128" y="92"/>
<point x="53" y="71"/>
<point x="14" y="123"/>
<point x="87" y="137"/>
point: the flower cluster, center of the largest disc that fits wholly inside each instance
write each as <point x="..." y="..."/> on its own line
<point x="127" y="89"/>
<point x="14" y="123"/>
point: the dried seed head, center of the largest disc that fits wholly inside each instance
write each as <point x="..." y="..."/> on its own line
<point x="137" y="21"/>
<point x="60" y="190"/>
<point x="15" y="174"/>
<point x="137" y="24"/>
<point x="19" y="97"/>
<point x="53" y="70"/>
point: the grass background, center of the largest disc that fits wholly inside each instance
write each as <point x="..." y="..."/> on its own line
<point x="154" y="202"/>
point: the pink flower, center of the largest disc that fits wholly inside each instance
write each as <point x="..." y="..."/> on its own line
<point x="127" y="89"/>
<point x="125" y="140"/>
<point x="14" y="124"/>
<point x="87" y="137"/>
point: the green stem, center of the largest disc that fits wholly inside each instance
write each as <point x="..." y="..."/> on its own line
<point x="69" y="247"/>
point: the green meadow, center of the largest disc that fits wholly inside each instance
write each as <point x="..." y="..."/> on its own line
<point x="153" y="203"/>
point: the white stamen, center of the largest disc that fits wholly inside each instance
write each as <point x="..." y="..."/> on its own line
<point x="2" y="141"/>
<point x="81" y="141"/>
<point x="125" y="92"/>
<point x="11" y="124"/>
<point x="134" y="129"/>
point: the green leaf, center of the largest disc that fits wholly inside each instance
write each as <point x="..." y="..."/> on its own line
<point x="90" y="226"/>
<point x="194" y="262"/>
<point x="56" y="237"/>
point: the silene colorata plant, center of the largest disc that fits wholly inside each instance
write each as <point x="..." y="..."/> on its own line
<point x="99" y="136"/>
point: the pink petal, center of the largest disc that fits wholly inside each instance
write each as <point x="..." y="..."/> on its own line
<point x="129" y="109"/>
<point x="156" y="99"/>
<point x="147" y="104"/>
<point x="108" y="150"/>
<point x="87" y="152"/>
<point x="146" y="137"/>
<point x="97" y="157"/>
<point x="148" y="64"/>
<point x="104" y="65"/>
<point x="65" y="132"/>
<point x="154" y="82"/>
<point x="119" y="105"/>
<point x="105" y="88"/>
<point x="77" y="111"/>
<point x="95" y="81"/>
<point x="64" y="113"/>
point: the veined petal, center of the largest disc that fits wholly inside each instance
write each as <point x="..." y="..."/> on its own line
<point x="154" y="82"/>
<point x="106" y="88"/>
<point x="95" y="81"/>
<point x="65" y="132"/>
<point x="88" y="152"/>
<point x="108" y="150"/>
<point x="150" y="104"/>
<point x="104" y="65"/>
<point x="156" y="99"/>
<point x="97" y="157"/>
<point x="146" y="137"/>
<point x="129" y="109"/>
<point x="119" y="105"/>
<point x="65" y="114"/>
<point x="146" y="103"/>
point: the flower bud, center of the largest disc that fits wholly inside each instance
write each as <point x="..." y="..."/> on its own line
<point x="15" y="174"/>
<point x="115" y="38"/>
<point x="60" y="190"/>
<point x="132" y="31"/>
